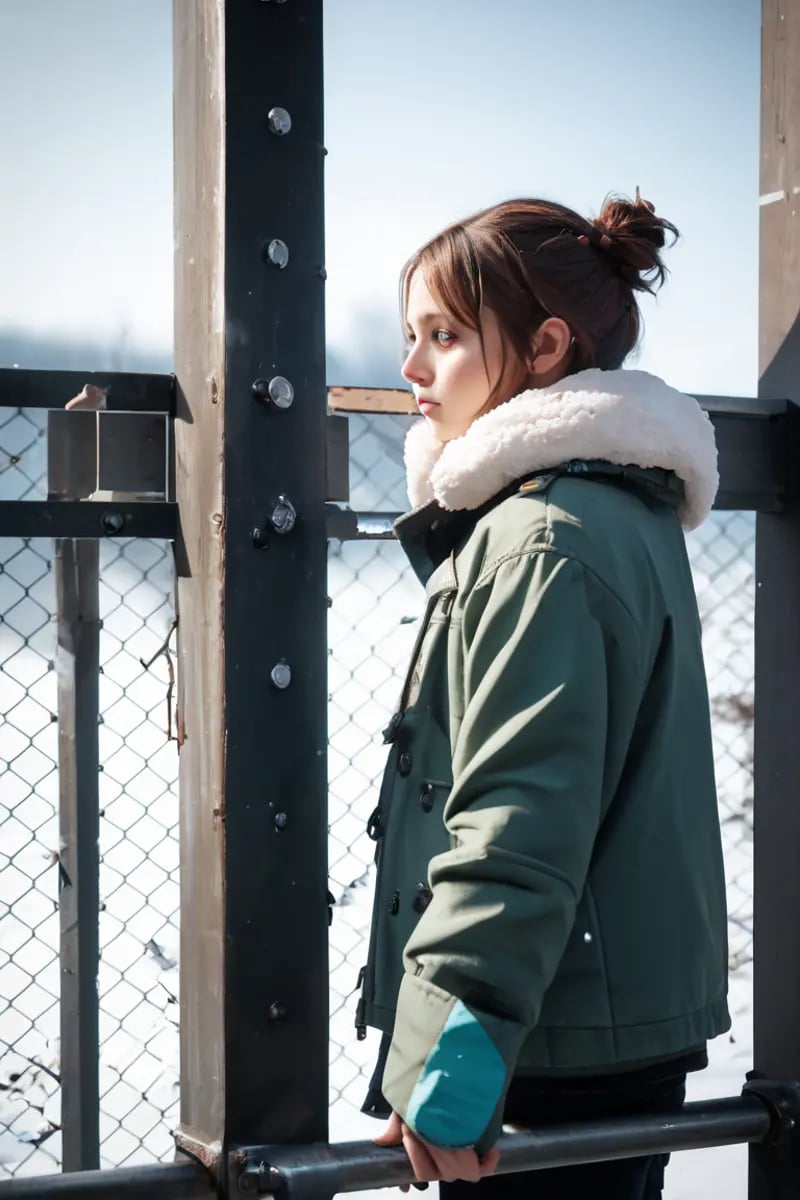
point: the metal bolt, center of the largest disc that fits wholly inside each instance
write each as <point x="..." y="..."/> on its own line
<point x="284" y="516"/>
<point x="259" y="538"/>
<point x="112" y="522"/>
<point x="281" y="392"/>
<point x="277" y="391"/>
<point x="281" y="675"/>
<point x="281" y="820"/>
<point x="280" y="121"/>
<point x="278" y="253"/>
<point x="277" y="1011"/>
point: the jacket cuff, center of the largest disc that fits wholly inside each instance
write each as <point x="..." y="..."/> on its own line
<point x="449" y="1066"/>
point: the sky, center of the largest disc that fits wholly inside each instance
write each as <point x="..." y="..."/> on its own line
<point x="433" y="110"/>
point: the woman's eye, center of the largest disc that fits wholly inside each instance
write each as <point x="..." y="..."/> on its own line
<point x="443" y="337"/>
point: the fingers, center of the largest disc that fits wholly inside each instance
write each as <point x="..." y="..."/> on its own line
<point x="488" y="1164"/>
<point x="392" y="1134"/>
<point x="422" y="1163"/>
<point x="457" y="1164"/>
<point x="430" y="1163"/>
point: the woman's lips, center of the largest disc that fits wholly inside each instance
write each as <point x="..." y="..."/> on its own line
<point x="426" y="405"/>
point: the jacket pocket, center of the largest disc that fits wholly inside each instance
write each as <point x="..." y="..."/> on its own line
<point x="579" y="993"/>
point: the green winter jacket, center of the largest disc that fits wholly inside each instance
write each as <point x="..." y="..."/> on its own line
<point x="550" y="893"/>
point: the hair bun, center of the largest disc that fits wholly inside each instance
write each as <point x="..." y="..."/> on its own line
<point x="636" y="237"/>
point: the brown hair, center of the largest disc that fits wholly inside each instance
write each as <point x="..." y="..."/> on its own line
<point x="528" y="260"/>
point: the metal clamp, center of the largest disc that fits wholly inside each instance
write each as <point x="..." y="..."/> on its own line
<point x="779" y="1153"/>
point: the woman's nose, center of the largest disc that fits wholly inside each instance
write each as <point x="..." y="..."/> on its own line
<point x="415" y="369"/>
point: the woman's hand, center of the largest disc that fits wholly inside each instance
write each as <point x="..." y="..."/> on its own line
<point x="431" y="1162"/>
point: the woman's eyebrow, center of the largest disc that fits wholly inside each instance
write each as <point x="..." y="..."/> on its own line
<point x="428" y="317"/>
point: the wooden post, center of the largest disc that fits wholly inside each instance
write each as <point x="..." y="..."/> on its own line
<point x="250" y="479"/>
<point x="777" y="619"/>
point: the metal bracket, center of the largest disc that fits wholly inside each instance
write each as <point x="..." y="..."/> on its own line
<point x="207" y="1154"/>
<point x="779" y="1152"/>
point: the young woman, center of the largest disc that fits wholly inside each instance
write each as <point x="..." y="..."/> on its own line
<point x="549" y="933"/>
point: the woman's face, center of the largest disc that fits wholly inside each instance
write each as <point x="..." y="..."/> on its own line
<point x="445" y="362"/>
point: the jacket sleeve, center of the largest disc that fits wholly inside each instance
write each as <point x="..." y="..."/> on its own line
<point x="522" y="815"/>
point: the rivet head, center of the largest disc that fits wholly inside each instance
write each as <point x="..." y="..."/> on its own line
<point x="280" y="121"/>
<point x="276" y="1011"/>
<point x="281" y="675"/>
<point x="283" y="515"/>
<point x="278" y="253"/>
<point x="587" y="937"/>
<point x="112" y="522"/>
<point x="281" y="392"/>
<point x="277" y="391"/>
<point x="281" y="820"/>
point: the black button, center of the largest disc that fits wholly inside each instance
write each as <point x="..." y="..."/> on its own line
<point x="394" y="907"/>
<point x="426" y="793"/>
<point x="422" y="899"/>
<point x="404" y="763"/>
<point x="374" y="827"/>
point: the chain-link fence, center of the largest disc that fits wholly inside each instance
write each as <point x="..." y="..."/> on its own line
<point x="138" y="919"/>
<point x="375" y="604"/>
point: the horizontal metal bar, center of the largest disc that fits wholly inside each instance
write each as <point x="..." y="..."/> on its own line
<point x="741" y="405"/>
<point x="752" y="461"/>
<point x="307" y="1172"/>
<point x="127" y="391"/>
<point x="346" y="525"/>
<point x="164" y="1181"/>
<point x="88" y="519"/>
<point x="752" y="471"/>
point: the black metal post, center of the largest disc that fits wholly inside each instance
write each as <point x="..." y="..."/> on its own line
<point x="250" y="451"/>
<point x="777" y="615"/>
<point x="78" y="661"/>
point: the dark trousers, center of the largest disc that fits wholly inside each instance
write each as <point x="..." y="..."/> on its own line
<point x="623" y="1179"/>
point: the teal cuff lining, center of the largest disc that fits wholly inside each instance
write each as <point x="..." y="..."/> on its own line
<point x="457" y="1092"/>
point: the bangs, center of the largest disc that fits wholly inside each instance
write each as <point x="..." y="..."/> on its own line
<point x="450" y="267"/>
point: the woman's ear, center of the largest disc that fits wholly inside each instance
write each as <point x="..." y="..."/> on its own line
<point x="550" y="352"/>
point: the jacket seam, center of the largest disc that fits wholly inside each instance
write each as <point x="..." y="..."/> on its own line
<point x="685" y="1016"/>
<point x="606" y="981"/>
<point x="487" y="572"/>
<point x="531" y="866"/>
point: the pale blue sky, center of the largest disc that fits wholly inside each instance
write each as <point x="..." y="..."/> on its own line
<point x="433" y="109"/>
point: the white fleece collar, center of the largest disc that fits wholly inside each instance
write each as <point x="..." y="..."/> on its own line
<point x="623" y="417"/>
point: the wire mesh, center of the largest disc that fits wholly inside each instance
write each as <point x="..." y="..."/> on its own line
<point x="137" y="982"/>
<point x="371" y="627"/>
